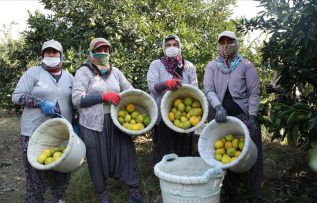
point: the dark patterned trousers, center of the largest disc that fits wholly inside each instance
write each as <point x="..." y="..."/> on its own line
<point x="38" y="181"/>
<point x="253" y="178"/>
<point x="166" y="141"/>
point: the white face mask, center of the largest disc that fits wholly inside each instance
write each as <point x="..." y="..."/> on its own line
<point x="51" y="61"/>
<point x="172" y="51"/>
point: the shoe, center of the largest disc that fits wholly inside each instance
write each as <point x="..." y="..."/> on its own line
<point x="104" y="197"/>
<point x="135" y="196"/>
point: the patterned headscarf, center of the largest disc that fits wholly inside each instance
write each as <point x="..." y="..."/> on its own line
<point x="173" y="65"/>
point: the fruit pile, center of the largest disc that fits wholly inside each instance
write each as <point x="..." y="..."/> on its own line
<point x="50" y="155"/>
<point x="131" y="119"/>
<point x="185" y="113"/>
<point x="228" y="149"/>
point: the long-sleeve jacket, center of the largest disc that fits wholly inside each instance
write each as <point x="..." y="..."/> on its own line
<point x="39" y="83"/>
<point x="242" y="82"/>
<point x="87" y="83"/>
<point x="157" y="73"/>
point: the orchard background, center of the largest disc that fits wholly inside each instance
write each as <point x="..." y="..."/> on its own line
<point x="135" y="29"/>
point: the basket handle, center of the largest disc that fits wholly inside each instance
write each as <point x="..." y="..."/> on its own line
<point x="214" y="171"/>
<point x="170" y="157"/>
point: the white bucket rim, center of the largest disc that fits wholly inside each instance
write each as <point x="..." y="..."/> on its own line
<point x="204" y="106"/>
<point x="52" y="165"/>
<point x="214" y="172"/>
<point x="114" y="111"/>
<point x="244" y="152"/>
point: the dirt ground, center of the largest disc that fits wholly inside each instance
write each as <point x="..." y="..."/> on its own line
<point x="12" y="180"/>
<point x="287" y="177"/>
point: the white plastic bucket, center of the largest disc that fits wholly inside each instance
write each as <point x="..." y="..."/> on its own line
<point x="214" y="131"/>
<point x="57" y="132"/>
<point x="143" y="102"/>
<point x="184" y="91"/>
<point x="188" y="180"/>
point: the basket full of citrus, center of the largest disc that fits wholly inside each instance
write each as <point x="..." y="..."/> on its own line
<point x="185" y="109"/>
<point x="136" y="113"/>
<point x="227" y="145"/>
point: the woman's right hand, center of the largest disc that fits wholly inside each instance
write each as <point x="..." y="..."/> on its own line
<point x="47" y="107"/>
<point x="112" y="97"/>
<point x="173" y="84"/>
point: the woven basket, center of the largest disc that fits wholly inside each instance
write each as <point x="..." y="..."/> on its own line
<point x="184" y="91"/>
<point x="214" y="131"/>
<point x="143" y="102"/>
<point x="56" y="132"/>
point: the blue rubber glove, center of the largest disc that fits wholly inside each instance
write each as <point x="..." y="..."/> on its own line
<point x="48" y="108"/>
<point x="221" y="114"/>
<point x="253" y="125"/>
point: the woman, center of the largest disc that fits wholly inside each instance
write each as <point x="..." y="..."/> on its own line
<point x="110" y="152"/>
<point x="168" y="73"/>
<point x="231" y="84"/>
<point x="44" y="91"/>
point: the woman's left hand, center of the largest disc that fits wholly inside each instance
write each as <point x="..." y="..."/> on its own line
<point x="253" y="125"/>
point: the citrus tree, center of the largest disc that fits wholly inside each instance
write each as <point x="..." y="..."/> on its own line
<point x="134" y="27"/>
<point x="290" y="52"/>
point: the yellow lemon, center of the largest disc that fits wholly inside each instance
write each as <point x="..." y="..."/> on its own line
<point x="241" y="145"/>
<point x="225" y="159"/>
<point x="228" y="145"/>
<point x="218" y="144"/>
<point x="178" y="115"/>
<point x="181" y="107"/>
<point x="194" y="120"/>
<point x="229" y="137"/>
<point x="183" y="119"/>
<point x="177" y="123"/>
<point x="174" y="110"/>
<point x="196" y="104"/>
<point x="134" y="127"/>
<point x="130" y="108"/>
<point x="127" y="118"/>
<point x="235" y="143"/>
<point x="231" y="151"/>
<point x="126" y="125"/>
<point x="218" y="157"/>
<point x="188" y="101"/>
<point x="49" y="160"/>
<point x="141" y="126"/>
<point x="220" y="151"/>
<point x="57" y="155"/>
<point x="121" y="113"/>
<point x="41" y="158"/>
<point x="47" y="152"/>
<point x="177" y="102"/>
<point x="121" y="120"/>
<point x="188" y="108"/>
<point x="139" y="119"/>
<point x="171" y="116"/>
<point x="134" y="114"/>
<point x="237" y="153"/>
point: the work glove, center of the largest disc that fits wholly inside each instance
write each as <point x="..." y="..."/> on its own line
<point x="221" y="114"/>
<point x="253" y="125"/>
<point x="47" y="107"/>
<point x="112" y="97"/>
<point x="172" y="84"/>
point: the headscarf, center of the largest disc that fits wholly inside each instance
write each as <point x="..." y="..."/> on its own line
<point x="173" y="65"/>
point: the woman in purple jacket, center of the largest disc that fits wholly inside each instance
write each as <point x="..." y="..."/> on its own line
<point x="231" y="85"/>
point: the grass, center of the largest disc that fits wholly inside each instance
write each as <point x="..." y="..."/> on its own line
<point x="287" y="177"/>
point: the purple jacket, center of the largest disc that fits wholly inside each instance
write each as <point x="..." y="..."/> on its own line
<point x="243" y="84"/>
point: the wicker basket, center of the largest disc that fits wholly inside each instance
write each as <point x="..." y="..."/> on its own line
<point x="52" y="133"/>
<point x="184" y="91"/>
<point x="214" y="131"/>
<point x="144" y="104"/>
<point x="188" y="180"/>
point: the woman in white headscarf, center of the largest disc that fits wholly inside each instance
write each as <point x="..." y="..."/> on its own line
<point x="168" y="73"/>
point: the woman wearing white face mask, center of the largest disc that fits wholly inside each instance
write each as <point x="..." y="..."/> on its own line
<point x="168" y="73"/>
<point x="44" y="91"/>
